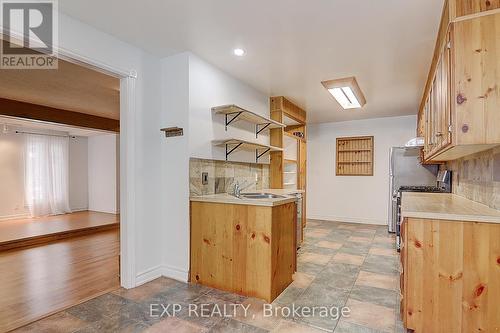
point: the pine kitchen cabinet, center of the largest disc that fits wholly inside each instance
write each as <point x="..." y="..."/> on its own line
<point x="247" y="247"/>
<point x="450" y="256"/>
<point x="460" y="109"/>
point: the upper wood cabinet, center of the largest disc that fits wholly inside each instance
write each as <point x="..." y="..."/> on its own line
<point x="460" y="111"/>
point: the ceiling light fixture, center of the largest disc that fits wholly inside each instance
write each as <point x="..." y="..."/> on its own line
<point x="239" y="52"/>
<point x="346" y="92"/>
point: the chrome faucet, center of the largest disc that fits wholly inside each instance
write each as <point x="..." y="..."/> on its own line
<point x="236" y="190"/>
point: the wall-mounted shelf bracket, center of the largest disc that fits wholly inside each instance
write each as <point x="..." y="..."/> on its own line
<point x="230" y="117"/>
<point x="257" y="155"/>
<point x="258" y="130"/>
<point x="229" y="151"/>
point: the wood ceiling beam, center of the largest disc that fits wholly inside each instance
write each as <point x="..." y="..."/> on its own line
<point x="18" y="109"/>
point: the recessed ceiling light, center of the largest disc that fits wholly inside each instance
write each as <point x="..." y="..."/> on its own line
<point x="346" y="92"/>
<point x="239" y="52"/>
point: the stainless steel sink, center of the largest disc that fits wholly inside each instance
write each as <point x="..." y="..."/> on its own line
<point x="261" y="196"/>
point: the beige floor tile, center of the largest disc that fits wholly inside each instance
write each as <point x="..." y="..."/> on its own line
<point x="383" y="252"/>
<point x="255" y="315"/>
<point x="377" y="280"/>
<point x="329" y="245"/>
<point x="60" y="322"/>
<point x="351" y="259"/>
<point x="302" y="280"/>
<point x="314" y="258"/>
<point x="387" y="240"/>
<point x="347" y="227"/>
<point x="288" y="326"/>
<point x="364" y="240"/>
<point x="177" y="325"/>
<point x="145" y="291"/>
<point x="371" y="315"/>
<point x="315" y="234"/>
<point x="366" y="230"/>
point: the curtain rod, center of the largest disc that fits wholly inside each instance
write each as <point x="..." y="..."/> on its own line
<point x="61" y="136"/>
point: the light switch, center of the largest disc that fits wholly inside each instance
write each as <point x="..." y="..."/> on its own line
<point x="204" y="178"/>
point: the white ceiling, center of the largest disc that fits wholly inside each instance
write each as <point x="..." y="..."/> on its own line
<point x="292" y="45"/>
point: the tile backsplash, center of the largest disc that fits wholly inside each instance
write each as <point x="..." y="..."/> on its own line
<point x="222" y="176"/>
<point x="477" y="177"/>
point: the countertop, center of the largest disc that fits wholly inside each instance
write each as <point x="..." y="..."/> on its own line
<point x="446" y="206"/>
<point x="230" y="199"/>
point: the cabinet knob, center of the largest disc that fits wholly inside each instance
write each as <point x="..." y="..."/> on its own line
<point x="439" y="134"/>
<point x="465" y="128"/>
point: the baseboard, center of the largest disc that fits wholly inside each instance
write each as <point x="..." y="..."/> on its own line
<point x="14" y="217"/>
<point x="75" y="210"/>
<point x="159" y="271"/>
<point x="359" y="220"/>
<point x="175" y="273"/>
<point x="148" y="275"/>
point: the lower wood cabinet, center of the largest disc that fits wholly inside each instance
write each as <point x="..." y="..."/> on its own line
<point x="244" y="249"/>
<point x="450" y="280"/>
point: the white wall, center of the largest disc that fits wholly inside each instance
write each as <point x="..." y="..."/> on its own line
<point x="209" y="87"/>
<point x="191" y="87"/>
<point x="352" y="198"/>
<point x="78" y="174"/>
<point x="139" y="137"/>
<point x="102" y="174"/>
<point x="175" y="161"/>
<point x="12" y="201"/>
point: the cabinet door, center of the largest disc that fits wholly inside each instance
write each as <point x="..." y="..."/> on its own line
<point x="476" y="62"/>
<point x="427" y="131"/>
<point x="443" y="134"/>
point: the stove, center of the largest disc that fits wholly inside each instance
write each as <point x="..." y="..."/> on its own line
<point x="430" y="189"/>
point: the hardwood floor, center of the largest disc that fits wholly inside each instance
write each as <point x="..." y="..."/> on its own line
<point x="41" y="280"/>
<point x="30" y="231"/>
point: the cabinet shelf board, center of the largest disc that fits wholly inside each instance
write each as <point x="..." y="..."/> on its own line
<point x="249" y="116"/>
<point x="353" y="150"/>
<point x="245" y="144"/>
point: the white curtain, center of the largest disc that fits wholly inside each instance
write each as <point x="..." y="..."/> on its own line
<point x="46" y="174"/>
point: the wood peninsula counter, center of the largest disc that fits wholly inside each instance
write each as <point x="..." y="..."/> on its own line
<point x="244" y="246"/>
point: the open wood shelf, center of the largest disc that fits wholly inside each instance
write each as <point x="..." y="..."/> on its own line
<point x="234" y="144"/>
<point x="354" y="156"/>
<point x="353" y="150"/>
<point x="234" y="113"/>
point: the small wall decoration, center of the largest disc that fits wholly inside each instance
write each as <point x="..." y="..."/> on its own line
<point x="355" y="156"/>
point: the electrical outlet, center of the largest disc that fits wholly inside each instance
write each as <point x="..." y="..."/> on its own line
<point x="204" y="178"/>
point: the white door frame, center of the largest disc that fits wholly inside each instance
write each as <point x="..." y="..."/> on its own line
<point x="128" y="111"/>
<point x="128" y="108"/>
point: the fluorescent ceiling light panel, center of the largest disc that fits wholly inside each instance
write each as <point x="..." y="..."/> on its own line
<point x="239" y="52"/>
<point x="346" y="92"/>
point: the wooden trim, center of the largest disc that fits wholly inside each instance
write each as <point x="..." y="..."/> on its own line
<point x="289" y="109"/>
<point x="345" y="167"/>
<point x="350" y="82"/>
<point x="44" y="239"/>
<point x="476" y="15"/>
<point x="18" y="109"/>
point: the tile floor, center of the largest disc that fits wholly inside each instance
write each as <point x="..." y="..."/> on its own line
<point x="339" y="264"/>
